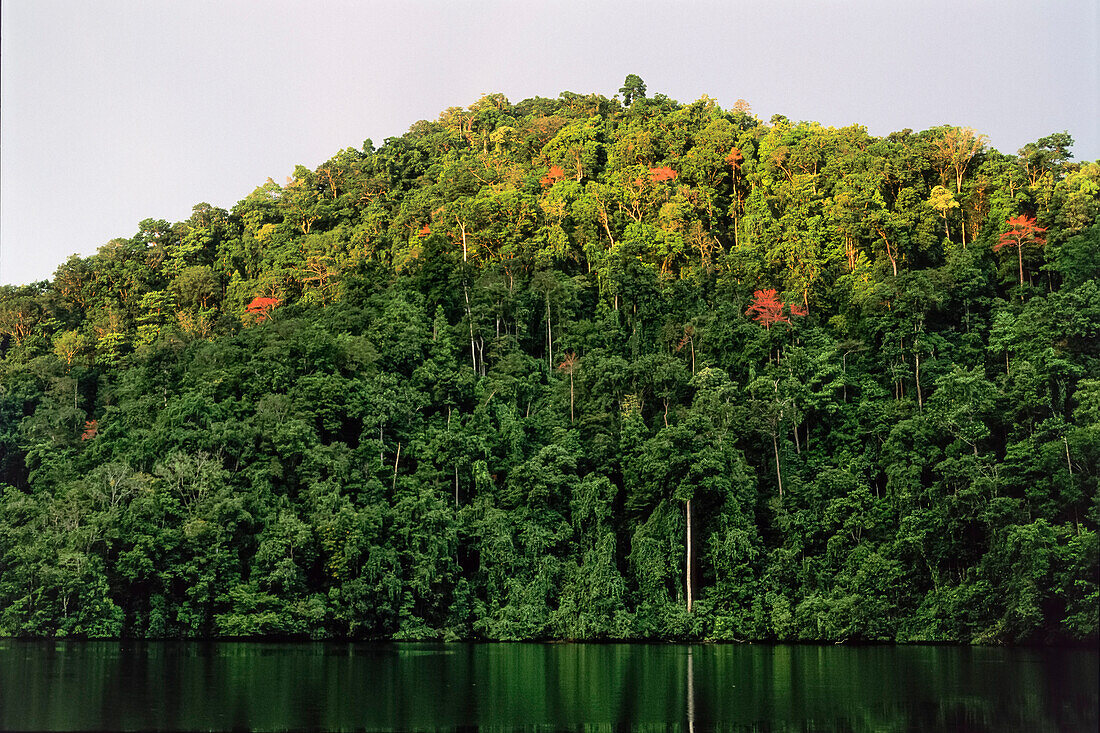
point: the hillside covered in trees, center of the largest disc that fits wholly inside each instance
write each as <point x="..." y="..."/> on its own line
<point x="575" y="368"/>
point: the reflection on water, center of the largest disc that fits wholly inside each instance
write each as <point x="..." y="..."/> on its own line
<point x="690" y="692"/>
<point x="346" y="686"/>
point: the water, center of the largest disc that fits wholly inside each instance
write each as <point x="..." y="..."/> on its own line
<point x="346" y="686"/>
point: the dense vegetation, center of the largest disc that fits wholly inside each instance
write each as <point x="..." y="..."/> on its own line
<point x="575" y="368"/>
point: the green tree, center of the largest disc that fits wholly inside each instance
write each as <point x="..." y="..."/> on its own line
<point x="633" y="89"/>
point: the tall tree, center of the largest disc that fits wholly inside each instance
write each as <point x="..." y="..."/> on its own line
<point x="1022" y="231"/>
<point x="633" y="89"/>
<point x="953" y="150"/>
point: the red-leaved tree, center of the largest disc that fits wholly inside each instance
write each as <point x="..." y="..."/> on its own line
<point x="664" y="173"/>
<point x="767" y="308"/>
<point x="91" y="427"/>
<point x="1022" y="230"/>
<point x="261" y="307"/>
<point x="556" y="174"/>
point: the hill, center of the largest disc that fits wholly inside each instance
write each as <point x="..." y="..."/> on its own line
<point x="570" y="368"/>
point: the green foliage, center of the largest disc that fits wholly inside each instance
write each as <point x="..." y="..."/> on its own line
<point x="633" y="89"/>
<point x="514" y="349"/>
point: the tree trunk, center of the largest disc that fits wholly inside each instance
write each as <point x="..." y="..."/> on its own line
<point x="571" y="396"/>
<point x="688" y="560"/>
<point x="462" y="228"/>
<point x="778" y="474"/>
<point x="396" y="461"/>
<point x="920" y="399"/>
<point x="1020" y="257"/>
<point x="549" y="334"/>
<point x="470" y="319"/>
<point x="844" y="373"/>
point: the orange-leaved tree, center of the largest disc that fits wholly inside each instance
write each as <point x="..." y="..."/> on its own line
<point x="556" y="174"/>
<point x="767" y="308"/>
<point x="664" y="173"/>
<point x="1022" y="230"/>
<point x="261" y="307"/>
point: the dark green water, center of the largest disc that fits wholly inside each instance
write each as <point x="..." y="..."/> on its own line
<point x="343" y="686"/>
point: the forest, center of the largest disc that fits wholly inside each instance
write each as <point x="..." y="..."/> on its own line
<point x="576" y="368"/>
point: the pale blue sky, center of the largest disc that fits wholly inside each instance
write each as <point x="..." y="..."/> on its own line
<point x="113" y="112"/>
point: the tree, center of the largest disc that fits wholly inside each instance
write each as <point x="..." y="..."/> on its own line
<point x="664" y="173"/>
<point x="568" y="366"/>
<point x="767" y="309"/>
<point x="18" y="316"/>
<point x="953" y="150"/>
<point x="1022" y="231"/>
<point x="632" y="89"/>
<point x="68" y="345"/>
<point x="943" y="202"/>
<point x="1045" y="155"/>
<point x="340" y="473"/>
<point x="261" y="307"/>
<point x="196" y="287"/>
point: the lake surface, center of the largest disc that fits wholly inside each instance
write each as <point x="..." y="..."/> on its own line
<point x="354" y="686"/>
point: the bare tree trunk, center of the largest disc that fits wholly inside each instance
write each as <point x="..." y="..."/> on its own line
<point x="778" y="474"/>
<point x="571" y="396"/>
<point x="1020" y="257"/>
<point x="1069" y="464"/>
<point x="688" y="560"/>
<point x="396" y="461"/>
<point x="549" y="334"/>
<point x="470" y="320"/>
<point x="844" y="373"/>
<point x="920" y="398"/>
<point x="462" y="228"/>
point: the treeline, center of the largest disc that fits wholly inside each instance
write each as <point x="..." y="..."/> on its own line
<point x="571" y="368"/>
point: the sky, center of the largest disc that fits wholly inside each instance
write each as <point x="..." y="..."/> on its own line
<point x="115" y="111"/>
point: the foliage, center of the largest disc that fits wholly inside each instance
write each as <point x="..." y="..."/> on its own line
<point x="504" y="377"/>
